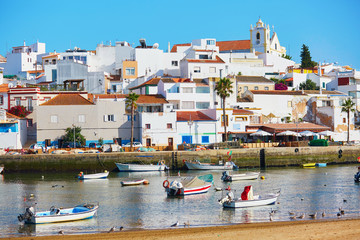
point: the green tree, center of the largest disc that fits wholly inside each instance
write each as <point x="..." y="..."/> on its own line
<point x="348" y="106"/>
<point x="69" y="135"/>
<point x="239" y="74"/>
<point x="131" y="104"/>
<point x="306" y="61"/>
<point x="287" y="56"/>
<point x="223" y="89"/>
<point x="308" y="85"/>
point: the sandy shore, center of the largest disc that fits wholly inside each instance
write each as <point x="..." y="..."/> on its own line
<point x="314" y="229"/>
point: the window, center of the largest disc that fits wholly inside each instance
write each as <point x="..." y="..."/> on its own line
<point x="202" y="90"/>
<point x="323" y="84"/>
<point x="147" y="126"/>
<point x="202" y="105"/>
<point x="129" y="118"/>
<point x="289" y="104"/>
<point x="203" y="56"/>
<point x="344" y="120"/>
<point x="188" y="105"/>
<point x="53" y="118"/>
<point x="71" y="57"/>
<point x="46" y="61"/>
<point x="169" y="125"/>
<point x="148" y="142"/>
<point x="1" y="99"/>
<point x="275" y="46"/>
<point x="29" y="104"/>
<point x="196" y="69"/>
<point x="83" y="59"/>
<point x="204" y="139"/>
<point x="258" y="36"/>
<point x="256" y="88"/>
<point x="81" y="118"/>
<point x="226" y="120"/>
<point x="130" y="71"/>
<point x="17" y="101"/>
<point x="54" y="75"/>
<point x="266" y="88"/>
<point x="240" y="119"/>
<point x="212" y="69"/>
<point x="109" y="118"/>
<point x="174" y="63"/>
<point x="210" y="42"/>
<point x="187" y="90"/>
<point x="77" y="57"/>
<point x="29" y="122"/>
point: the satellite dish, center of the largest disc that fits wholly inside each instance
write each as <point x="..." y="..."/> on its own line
<point x="156" y="45"/>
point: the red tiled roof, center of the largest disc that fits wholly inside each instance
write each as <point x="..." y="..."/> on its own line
<point x="145" y="99"/>
<point x="217" y="60"/>
<point x="233" y="45"/>
<point x="174" y="48"/>
<point x="242" y="112"/>
<point x="289" y="79"/>
<point x="9" y="115"/>
<point x="51" y="55"/>
<point x="68" y="99"/>
<point x="4" y="87"/>
<point x="195" y="116"/>
<point x="36" y="71"/>
<point x="41" y="75"/>
<point x="203" y="50"/>
<point x="153" y="81"/>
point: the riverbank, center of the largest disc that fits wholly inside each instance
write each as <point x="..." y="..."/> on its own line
<point x="312" y="229"/>
<point x="243" y="157"/>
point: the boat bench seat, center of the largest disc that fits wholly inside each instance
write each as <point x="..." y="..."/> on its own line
<point x="80" y="209"/>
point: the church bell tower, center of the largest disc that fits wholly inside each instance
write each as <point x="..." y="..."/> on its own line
<point x="260" y="37"/>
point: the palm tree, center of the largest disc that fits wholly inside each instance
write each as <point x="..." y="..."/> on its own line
<point x="348" y="106"/>
<point x="223" y="89"/>
<point x="131" y="103"/>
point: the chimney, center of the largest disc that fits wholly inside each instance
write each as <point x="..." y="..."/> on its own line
<point x="168" y="47"/>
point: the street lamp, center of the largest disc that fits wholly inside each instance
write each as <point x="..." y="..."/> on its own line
<point x="190" y="122"/>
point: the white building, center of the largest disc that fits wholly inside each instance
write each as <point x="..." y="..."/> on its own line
<point x="13" y="131"/>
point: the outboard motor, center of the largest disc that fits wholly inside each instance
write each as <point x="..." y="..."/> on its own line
<point x="224" y="176"/>
<point x="29" y="212"/>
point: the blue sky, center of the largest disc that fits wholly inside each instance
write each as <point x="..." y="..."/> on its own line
<point x="330" y="28"/>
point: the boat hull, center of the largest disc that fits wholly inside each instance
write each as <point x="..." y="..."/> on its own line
<point x="94" y="176"/>
<point x="244" y="176"/>
<point x="132" y="183"/>
<point x="125" y="167"/>
<point x="188" y="191"/>
<point x="309" y="165"/>
<point x="201" y="166"/>
<point x="38" y="219"/>
<point x="251" y="203"/>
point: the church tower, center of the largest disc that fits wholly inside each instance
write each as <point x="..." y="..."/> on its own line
<point x="260" y="37"/>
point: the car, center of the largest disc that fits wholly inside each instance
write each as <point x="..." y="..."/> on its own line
<point x="135" y="144"/>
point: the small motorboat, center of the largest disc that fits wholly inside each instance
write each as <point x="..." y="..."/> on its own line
<point x="54" y="215"/>
<point x="134" y="182"/>
<point x="321" y="164"/>
<point x="357" y="176"/>
<point x="309" y="165"/>
<point x="188" y="185"/>
<point x="197" y="165"/>
<point x="83" y="176"/>
<point x="130" y="167"/>
<point x="227" y="177"/>
<point x="248" y="199"/>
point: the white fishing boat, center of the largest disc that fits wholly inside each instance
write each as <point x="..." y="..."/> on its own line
<point x="131" y="167"/>
<point x="54" y="215"/>
<point x="247" y="199"/>
<point x="188" y="185"/>
<point x="83" y="176"/>
<point x="134" y="182"/>
<point x="197" y="165"/>
<point x="227" y="177"/>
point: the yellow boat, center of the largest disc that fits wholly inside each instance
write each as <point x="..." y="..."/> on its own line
<point x="309" y="165"/>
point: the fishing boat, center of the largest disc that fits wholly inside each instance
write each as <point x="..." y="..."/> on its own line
<point x="357" y="176"/>
<point x="227" y="177"/>
<point x="188" y="185"/>
<point x="134" y="182"/>
<point x="248" y="199"/>
<point x="321" y="164"/>
<point x="83" y="176"/>
<point x="309" y="165"/>
<point x="130" y="167"/>
<point x="197" y="165"/>
<point x="54" y="215"/>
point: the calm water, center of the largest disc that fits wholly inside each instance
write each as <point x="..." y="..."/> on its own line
<point x="148" y="207"/>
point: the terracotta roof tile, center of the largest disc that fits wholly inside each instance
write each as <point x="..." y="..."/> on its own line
<point x="323" y="92"/>
<point x="217" y="60"/>
<point x="146" y="99"/>
<point x="242" y="112"/>
<point x="233" y="45"/>
<point x="153" y="81"/>
<point x="182" y="116"/>
<point x="257" y="79"/>
<point x="174" y="48"/>
<point x="4" y="88"/>
<point x="9" y="115"/>
<point x="67" y="99"/>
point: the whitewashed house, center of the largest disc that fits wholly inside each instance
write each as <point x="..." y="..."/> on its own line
<point x="13" y="131"/>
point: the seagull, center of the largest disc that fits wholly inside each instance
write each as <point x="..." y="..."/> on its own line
<point x="271" y="218"/>
<point x="186" y="224"/>
<point x="313" y="215"/>
<point x="291" y="213"/>
<point x="175" y="224"/>
<point x="121" y="228"/>
<point x="292" y="217"/>
<point x="344" y="200"/>
<point x="61" y="232"/>
<point x="302" y="199"/>
<point x="341" y="211"/>
<point x="111" y="230"/>
<point x="55" y="185"/>
<point x="338" y="215"/>
<point x="323" y="214"/>
<point x="301" y="216"/>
